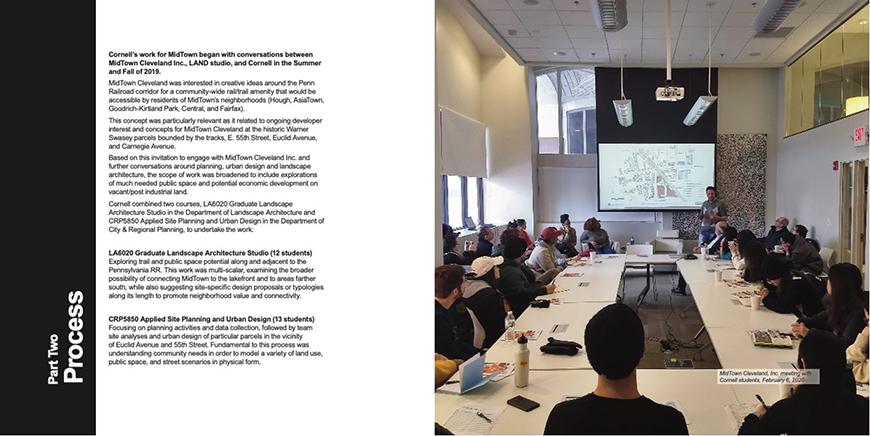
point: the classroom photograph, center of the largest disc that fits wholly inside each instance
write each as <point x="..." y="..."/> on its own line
<point x="651" y="217"/>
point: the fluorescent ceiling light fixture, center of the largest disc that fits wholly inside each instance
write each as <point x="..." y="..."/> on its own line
<point x="698" y="109"/>
<point x="609" y="15"/>
<point x="856" y="104"/>
<point x="704" y="101"/>
<point x="623" y="106"/>
<point x="773" y="14"/>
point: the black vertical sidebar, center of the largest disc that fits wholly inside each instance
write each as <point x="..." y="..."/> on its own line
<point x="48" y="226"/>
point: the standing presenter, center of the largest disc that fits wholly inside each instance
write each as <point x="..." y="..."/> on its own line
<point x="713" y="211"/>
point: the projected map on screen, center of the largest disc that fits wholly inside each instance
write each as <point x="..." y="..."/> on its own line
<point x="654" y="176"/>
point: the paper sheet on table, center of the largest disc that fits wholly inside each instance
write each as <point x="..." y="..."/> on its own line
<point x="465" y="419"/>
<point x="737" y="411"/>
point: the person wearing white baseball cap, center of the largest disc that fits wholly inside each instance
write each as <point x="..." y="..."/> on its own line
<point x="482" y="298"/>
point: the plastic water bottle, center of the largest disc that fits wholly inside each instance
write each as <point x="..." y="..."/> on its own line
<point x="509" y="321"/>
<point x="631" y="241"/>
<point x="521" y="372"/>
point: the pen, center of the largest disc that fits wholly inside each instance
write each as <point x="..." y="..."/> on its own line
<point x="452" y="382"/>
<point x="792" y="365"/>
<point x="480" y="414"/>
<point x="761" y="401"/>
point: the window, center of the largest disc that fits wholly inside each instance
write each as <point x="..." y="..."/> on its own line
<point x="830" y="80"/>
<point x="462" y="196"/>
<point x="566" y="111"/>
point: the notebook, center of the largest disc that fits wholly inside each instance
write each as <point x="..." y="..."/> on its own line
<point x="469" y="376"/>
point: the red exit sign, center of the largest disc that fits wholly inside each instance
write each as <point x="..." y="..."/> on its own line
<point x="859" y="137"/>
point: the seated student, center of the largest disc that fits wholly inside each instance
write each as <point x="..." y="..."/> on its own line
<point x="448" y="282"/>
<point x="754" y="255"/>
<point x="566" y="244"/>
<point x="779" y="227"/>
<point x="856" y="354"/>
<point x="484" y="241"/>
<point x="844" y="315"/>
<point x="510" y="232"/>
<point x="544" y="256"/>
<point x="802" y="231"/>
<point x="615" y="344"/>
<point x="743" y="237"/>
<point x="783" y="294"/>
<point x="596" y="237"/>
<point x="451" y="256"/>
<point x="829" y="407"/>
<point x="482" y="297"/>
<point x="517" y="281"/>
<point x="729" y="238"/>
<point x="802" y="255"/>
<point x="520" y="224"/>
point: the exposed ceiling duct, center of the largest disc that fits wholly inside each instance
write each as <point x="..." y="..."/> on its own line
<point x="773" y="14"/>
<point x="610" y="15"/>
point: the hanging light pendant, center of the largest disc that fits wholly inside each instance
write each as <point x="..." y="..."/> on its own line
<point x="623" y="106"/>
<point x="705" y="101"/>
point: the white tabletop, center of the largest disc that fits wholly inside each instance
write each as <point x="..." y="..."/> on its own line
<point x="575" y="315"/>
<point x="703" y="404"/>
<point x="655" y="259"/>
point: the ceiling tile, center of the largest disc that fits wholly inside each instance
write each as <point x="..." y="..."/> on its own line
<point x="722" y="57"/>
<point x="594" y="44"/>
<point x="809" y="6"/>
<point x="501" y="17"/>
<point x="588" y="55"/>
<point x="584" y="32"/>
<point x="624" y="44"/>
<point x="729" y="45"/>
<point x="569" y="56"/>
<point x="691" y="45"/>
<point x="835" y="6"/>
<point x="634" y="5"/>
<point x="735" y="33"/>
<point x="661" y="5"/>
<point x="747" y="6"/>
<point x="739" y="19"/>
<point x="555" y="43"/>
<point x="532" y="54"/>
<point x="655" y="32"/>
<point x="660" y="18"/>
<point x="630" y="57"/>
<point x="547" y="31"/>
<point x="572" y="5"/>
<point x="794" y="19"/>
<point x="701" y="33"/>
<point x="701" y="5"/>
<point x="523" y="42"/>
<point x="576" y="18"/>
<point x="512" y="30"/>
<point x="489" y="5"/>
<point x="539" y="5"/>
<point x="631" y="31"/>
<point x="539" y="18"/>
<point x="702" y="19"/>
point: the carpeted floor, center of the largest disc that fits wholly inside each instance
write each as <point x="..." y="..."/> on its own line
<point x="670" y="317"/>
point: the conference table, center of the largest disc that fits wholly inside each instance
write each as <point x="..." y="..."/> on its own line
<point x="581" y="291"/>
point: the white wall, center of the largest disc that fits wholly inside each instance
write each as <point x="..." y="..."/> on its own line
<point x="807" y="188"/>
<point x="505" y="107"/>
<point x="748" y="103"/>
<point x="492" y="90"/>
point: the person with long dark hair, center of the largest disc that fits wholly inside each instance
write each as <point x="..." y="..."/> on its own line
<point x="596" y="236"/>
<point x="729" y="239"/>
<point x="783" y="294"/>
<point x="829" y="407"/>
<point x="520" y="224"/>
<point x="743" y="237"/>
<point x="753" y="254"/>
<point x="844" y="315"/>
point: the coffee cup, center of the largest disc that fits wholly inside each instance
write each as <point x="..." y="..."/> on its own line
<point x="755" y="302"/>
<point x="592" y="255"/>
